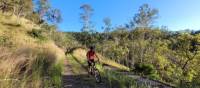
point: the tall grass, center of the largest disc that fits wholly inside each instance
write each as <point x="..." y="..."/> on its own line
<point x="25" y="62"/>
<point x="117" y="80"/>
<point x="30" y="68"/>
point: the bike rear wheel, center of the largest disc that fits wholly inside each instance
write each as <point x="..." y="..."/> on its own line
<point x="97" y="76"/>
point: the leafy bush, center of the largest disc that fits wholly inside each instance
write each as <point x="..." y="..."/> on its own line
<point x="43" y="62"/>
<point x="62" y="40"/>
<point x="146" y="69"/>
<point x="4" y="41"/>
<point x="34" y="17"/>
<point x="36" y="33"/>
<point x="117" y="80"/>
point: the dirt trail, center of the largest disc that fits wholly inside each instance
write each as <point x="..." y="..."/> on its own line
<point x="66" y="75"/>
<point x="82" y="80"/>
<point x="75" y="76"/>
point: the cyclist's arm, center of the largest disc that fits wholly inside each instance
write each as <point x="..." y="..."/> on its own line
<point x="87" y="55"/>
<point x="97" y="57"/>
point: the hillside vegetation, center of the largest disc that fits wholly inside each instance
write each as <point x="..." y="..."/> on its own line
<point x="137" y="54"/>
<point x="148" y="50"/>
<point x="172" y="57"/>
<point x="110" y="77"/>
<point x="33" y="57"/>
<point x="27" y="61"/>
<point x="80" y="54"/>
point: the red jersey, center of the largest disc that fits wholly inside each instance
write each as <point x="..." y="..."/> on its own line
<point x="90" y="55"/>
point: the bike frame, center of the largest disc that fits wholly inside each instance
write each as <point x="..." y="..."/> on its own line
<point x="95" y="72"/>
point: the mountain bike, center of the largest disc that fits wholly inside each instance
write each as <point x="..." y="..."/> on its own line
<point x="95" y="72"/>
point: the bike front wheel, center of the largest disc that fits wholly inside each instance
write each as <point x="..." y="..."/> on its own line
<point x="97" y="76"/>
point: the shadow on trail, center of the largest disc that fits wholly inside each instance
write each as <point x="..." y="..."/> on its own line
<point x="82" y="81"/>
<point x="85" y="67"/>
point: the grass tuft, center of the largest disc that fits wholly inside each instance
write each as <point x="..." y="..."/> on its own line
<point x="31" y="68"/>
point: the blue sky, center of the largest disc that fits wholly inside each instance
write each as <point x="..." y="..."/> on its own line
<point x="176" y="14"/>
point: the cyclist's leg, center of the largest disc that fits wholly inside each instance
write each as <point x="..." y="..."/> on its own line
<point x="96" y="73"/>
<point x="93" y="64"/>
<point x="89" y="66"/>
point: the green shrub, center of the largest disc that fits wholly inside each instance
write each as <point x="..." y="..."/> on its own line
<point x="4" y="41"/>
<point x="34" y="17"/>
<point x="146" y="69"/>
<point x="195" y="83"/>
<point x="56" y="75"/>
<point x="117" y="80"/>
<point x="36" y="33"/>
<point x="43" y="63"/>
<point x="45" y="69"/>
<point x="64" y="40"/>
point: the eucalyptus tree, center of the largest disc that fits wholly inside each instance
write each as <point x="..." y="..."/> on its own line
<point x="85" y="16"/>
<point x="145" y="17"/>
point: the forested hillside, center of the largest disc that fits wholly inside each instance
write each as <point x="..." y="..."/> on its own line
<point x="31" y="50"/>
<point x="172" y="57"/>
<point x="153" y="52"/>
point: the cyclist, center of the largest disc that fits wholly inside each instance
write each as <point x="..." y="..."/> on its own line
<point x="91" y="55"/>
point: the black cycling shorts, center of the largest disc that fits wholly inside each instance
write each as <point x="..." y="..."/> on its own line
<point x="90" y="62"/>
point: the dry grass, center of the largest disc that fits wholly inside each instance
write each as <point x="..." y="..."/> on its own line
<point x="27" y="66"/>
<point x="25" y="62"/>
<point x="14" y="21"/>
<point x="81" y="54"/>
